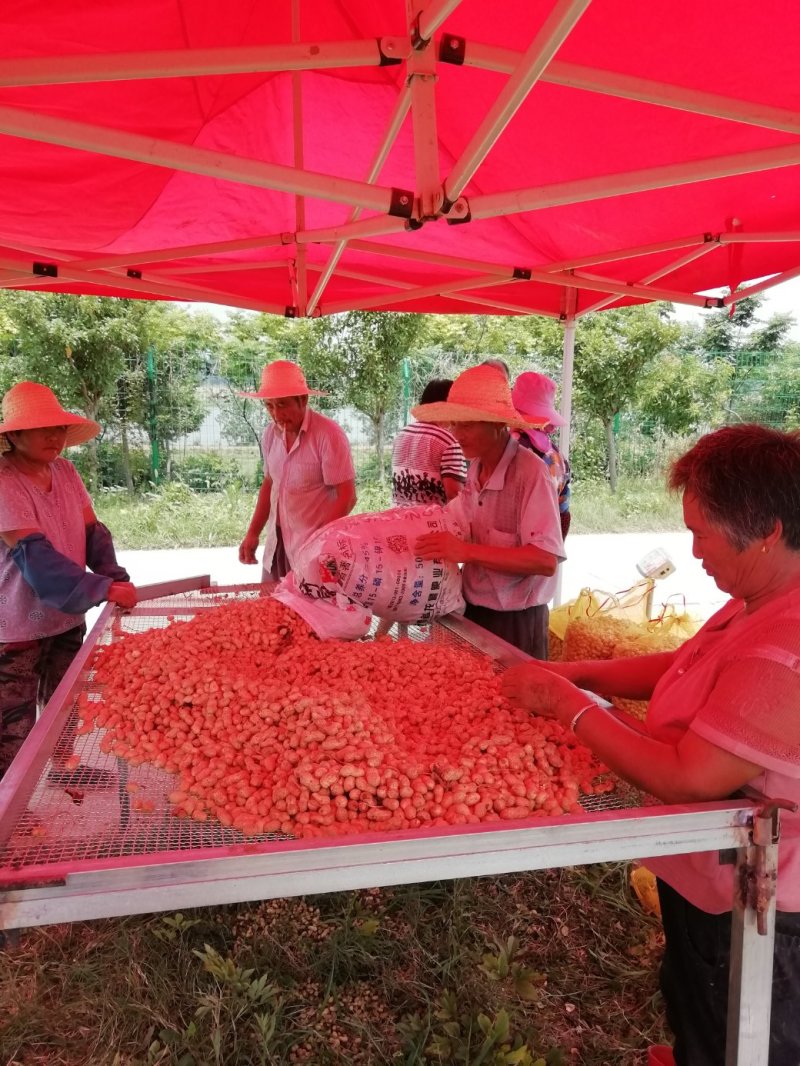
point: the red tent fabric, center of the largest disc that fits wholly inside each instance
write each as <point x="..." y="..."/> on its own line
<point x="307" y="156"/>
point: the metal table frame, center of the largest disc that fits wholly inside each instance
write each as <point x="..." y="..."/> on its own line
<point x="744" y="833"/>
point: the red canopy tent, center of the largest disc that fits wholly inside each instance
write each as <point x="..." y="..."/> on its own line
<point x="305" y="157"/>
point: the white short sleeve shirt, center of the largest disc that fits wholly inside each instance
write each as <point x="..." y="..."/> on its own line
<point x="516" y="507"/>
<point x="303" y="479"/>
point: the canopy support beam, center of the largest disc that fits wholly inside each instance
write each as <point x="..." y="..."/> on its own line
<point x="761" y="286"/>
<point x="670" y="268"/>
<point x="221" y="165"/>
<point x="626" y="87"/>
<point x="396" y="121"/>
<point x="554" y="31"/>
<point x="506" y="273"/>
<point x="146" y="287"/>
<point x="192" y="63"/>
<point x="604" y="186"/>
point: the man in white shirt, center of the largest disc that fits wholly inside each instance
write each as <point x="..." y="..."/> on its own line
<point x="309" y="478"/>
<point x="510" y="508"/>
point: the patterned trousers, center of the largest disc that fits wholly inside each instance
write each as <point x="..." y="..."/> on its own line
<point x="30" y="672"/>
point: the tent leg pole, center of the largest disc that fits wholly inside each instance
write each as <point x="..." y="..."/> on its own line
<point x="567" y="364"/>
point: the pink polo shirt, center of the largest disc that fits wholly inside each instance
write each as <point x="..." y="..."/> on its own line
<point x="759" y="722"/>
<point x="303" y="479"/>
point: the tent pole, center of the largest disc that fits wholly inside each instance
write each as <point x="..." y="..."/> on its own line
<point x="567" y="367"/>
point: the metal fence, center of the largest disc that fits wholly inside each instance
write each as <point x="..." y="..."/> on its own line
<point x="224" y="446"/>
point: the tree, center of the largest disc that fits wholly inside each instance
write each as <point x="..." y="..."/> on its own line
<point x="158" y="390"/>
<point x="750" y="353"/>
<point x="612" y="352"/>
<point x="357" y="357"/>
<point x="78" y="345"/>
<point x="248" y="343"/>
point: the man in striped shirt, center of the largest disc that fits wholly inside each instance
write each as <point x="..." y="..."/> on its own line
<point x="428" y="465"/>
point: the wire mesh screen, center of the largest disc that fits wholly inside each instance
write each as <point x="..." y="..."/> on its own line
<point x="108" y="809"/>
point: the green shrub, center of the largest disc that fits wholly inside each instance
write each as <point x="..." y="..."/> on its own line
<point x="112" y="466"/>
<point x="207" y="471"/>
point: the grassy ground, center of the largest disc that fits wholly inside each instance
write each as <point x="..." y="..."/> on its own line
<point x="177" y="517"/>
<point x="548" y="968"/>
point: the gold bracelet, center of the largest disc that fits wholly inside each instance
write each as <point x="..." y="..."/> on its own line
<point x="579" y="714"/>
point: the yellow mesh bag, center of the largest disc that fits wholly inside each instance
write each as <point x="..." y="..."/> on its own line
<point x="602" y="625"/>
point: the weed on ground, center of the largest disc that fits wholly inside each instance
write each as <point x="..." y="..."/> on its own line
<point x="541" y="969"/>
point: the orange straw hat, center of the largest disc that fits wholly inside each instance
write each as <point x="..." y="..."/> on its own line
<point x="29" y="405"/>
<point x="480" y="394"/>
<point x="281" y="379"/>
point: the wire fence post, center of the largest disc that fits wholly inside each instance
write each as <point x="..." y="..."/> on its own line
<point x="152" y="414"/>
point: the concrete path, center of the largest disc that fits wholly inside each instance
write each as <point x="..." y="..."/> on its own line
<point x="604" y="561"/>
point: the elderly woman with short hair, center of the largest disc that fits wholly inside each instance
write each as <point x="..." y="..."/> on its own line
<point x="724" y="716"/>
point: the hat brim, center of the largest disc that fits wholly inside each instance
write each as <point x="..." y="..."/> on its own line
<point x="547" y="416"/>
<point x="280" y="394"/>
<point x="79" y="429"/>
<point x="457" y="412"/>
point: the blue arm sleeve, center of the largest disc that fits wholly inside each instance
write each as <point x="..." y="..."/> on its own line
<point x="100" y="554"/>
<point x="55" y="579"/>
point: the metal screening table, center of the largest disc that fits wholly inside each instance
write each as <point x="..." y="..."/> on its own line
<point x="68" y="858"/>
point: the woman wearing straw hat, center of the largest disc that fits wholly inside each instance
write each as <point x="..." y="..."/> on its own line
<point x="49" y="534"/>
<point x="309" y="478"/>
<point x="534" y="396"/>
<point x="509" y="506"/>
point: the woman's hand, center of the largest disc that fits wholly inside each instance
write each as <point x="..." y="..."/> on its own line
<point x="441" y="546"/>
<point x="537" y="689"/>
<point x="123" y="593"/>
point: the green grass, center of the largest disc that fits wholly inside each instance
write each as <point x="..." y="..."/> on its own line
<point x="177" y="517"/>
<point x="449" y="972"/>
<point x="638" y="506"/>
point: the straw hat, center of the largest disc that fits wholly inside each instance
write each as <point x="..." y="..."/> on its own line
<point x="480" y="394"/>
<point x="29" y="405"/>
<point x="534" y="396"/>
<point x="280" y="379"/>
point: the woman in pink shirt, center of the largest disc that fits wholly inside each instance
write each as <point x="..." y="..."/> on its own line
<point x="49" y="535"/>
<point x="724" y="716"/>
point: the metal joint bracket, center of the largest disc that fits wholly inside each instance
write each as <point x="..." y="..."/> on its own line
<point x="710" y="238"/>
<point x="45" y="270"/>
<point x="713" y="301"/>
<point x="459" y="212"/>
<point x="402" y="203"/>
<point x="521" y="274"/>
<point x="452" y="49"/>
<point x="387" y="45"/>
<point x="290" y="311"/>
<point x="135" y="274"/>
<point x="757" y="878"/>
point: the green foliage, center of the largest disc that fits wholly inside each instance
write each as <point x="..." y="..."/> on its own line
<point x="357" y="358"/>
<point x="207" y="471"/>
<point x="111" y="465"/>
